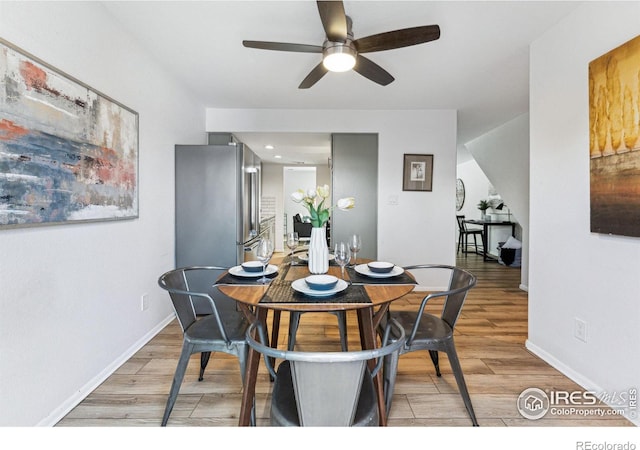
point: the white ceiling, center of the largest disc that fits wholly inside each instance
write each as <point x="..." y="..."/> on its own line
<point x="479" y="66"/>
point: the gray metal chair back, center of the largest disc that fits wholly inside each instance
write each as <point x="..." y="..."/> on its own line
<point x="176" y="282"/>
<point x="427" y="332"/>
<point x="459" y="284"/>
<point x="326" y="387"/>
<point x="221" y="331"/>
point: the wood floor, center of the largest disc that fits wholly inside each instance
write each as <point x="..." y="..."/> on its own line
<point x="490" y="338"/>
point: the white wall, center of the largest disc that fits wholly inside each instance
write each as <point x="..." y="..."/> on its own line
<point x="476" y="185"/>
<point x="70" y="299"/>
<point x="575" y="273"/>
<point x="420" y="222"/>
<point x="503" y="155"/>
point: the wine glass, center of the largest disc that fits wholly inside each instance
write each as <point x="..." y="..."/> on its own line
<point x="355" y="243"/>
<point x="292" y="242"/>
<point x="342" y="256"/>
<point x="264" y="252"/>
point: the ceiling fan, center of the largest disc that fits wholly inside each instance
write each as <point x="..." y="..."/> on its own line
<point x="341" y="52"/>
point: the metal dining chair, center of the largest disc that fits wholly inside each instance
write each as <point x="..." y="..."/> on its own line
<point x="294" y="323"/>
<point x="325" y="388"/>
<point x="221" y="331"/>
<point x="463" y="236"/>
<point x="425" y="331"/>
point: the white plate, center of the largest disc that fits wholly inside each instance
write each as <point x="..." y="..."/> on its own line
<point x="240" y="272"/>
<point x="301" y="286"/>
<point x="305" y="257"/>
<point x="363" y="269"/>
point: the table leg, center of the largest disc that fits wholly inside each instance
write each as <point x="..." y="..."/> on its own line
<point x="370" y="341"/>
<point x="251" y="373"/>
<point x="485" y="238"/>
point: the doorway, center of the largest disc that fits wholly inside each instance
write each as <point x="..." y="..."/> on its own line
<point x="295" y="178"/>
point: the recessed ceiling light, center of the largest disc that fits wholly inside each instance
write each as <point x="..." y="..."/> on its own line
<point x="277" y="156"/>
<point x="269" y="147"/>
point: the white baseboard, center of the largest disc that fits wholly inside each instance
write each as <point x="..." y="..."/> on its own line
<point x="580" y="379"/>
<point x="524" y="287"/>
<point x="57" y="414"/>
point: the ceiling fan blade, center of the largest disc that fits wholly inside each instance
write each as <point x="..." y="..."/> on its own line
<point x="283" y="46"/>
<point x="372" y="71"/>
<point x="397" y="39"/>
<point x="334" y="20"/>
<point x="314" y="76"/>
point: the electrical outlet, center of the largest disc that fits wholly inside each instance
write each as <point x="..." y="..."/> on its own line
<point x="580" y="330"/>
<point x="144" y="302"/>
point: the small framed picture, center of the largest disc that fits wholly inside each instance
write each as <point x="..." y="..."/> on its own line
<point x="417" y="172"/>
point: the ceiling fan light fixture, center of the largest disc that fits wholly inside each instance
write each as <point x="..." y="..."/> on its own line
<point x="339" y="57"/>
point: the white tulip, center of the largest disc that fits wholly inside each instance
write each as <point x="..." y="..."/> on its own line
<point x="346" y="203"/>
<point x="323" y="191"/>
<point x="298" y="196"/>
<point x="311" y="194"/>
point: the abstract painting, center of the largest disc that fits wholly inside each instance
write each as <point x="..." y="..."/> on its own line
<point x="614" y="140"/>
<point x="67" y="152"/>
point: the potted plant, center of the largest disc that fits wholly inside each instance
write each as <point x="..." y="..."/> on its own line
<point x="483" y="206"/>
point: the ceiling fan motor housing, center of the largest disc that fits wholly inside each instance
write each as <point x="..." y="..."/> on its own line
<point x="339" y="56"/>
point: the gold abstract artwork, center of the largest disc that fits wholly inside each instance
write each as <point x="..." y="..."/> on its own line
<point x="614" y="140"/>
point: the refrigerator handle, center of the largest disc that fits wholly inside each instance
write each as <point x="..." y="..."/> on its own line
<point x="254" y="210"/>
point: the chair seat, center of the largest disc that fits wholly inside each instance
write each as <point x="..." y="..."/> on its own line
<point x="431" y="328"/>
<point x="204" y="330"/>
<point x="284" y="411"/>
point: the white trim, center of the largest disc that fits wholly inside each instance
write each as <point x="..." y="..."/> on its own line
<point x="578" y="378"/>
<point x="58" y="414"/>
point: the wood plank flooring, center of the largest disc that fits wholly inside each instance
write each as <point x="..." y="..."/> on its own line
<point x="490" y="338"/>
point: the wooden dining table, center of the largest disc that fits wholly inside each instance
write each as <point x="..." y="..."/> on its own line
<point x="485" y="233"/>
<point x="369" y="297"/>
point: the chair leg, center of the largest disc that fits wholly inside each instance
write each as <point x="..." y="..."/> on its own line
<point x="436" y="364"/>
<point x="275" y="326"/>
<point x="342" y="325"/>
<point x="389" y="372"/>
<point x="462" y="386"/>
<point x="177" y="380"/>
<point x="294" y="321"/>
<point x="204" y="360"/>
<point x="243" y="355"/>
<point x="275" y="331"/>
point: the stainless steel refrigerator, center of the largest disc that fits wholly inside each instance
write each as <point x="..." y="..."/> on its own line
<point x="217" y="207"/>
